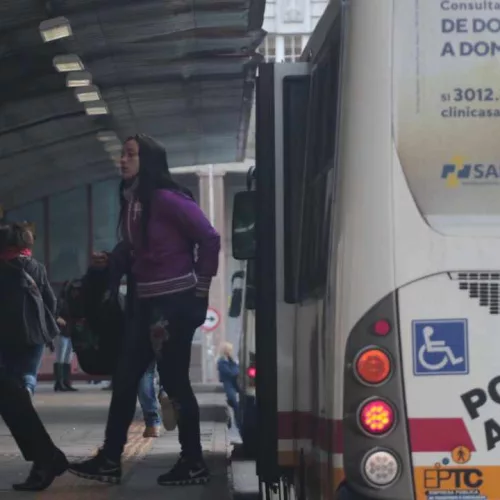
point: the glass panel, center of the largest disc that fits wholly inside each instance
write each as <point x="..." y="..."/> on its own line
<point x="295" y="107"/>
<point x="319" y="172"/>
<point x="68" y="235"/>
<point x="105" y="213"/>
<point x="270" y="48"/>
<point x="297" y="46"/>
<point x="32" y="213"/>
<point x="288" y="48"/>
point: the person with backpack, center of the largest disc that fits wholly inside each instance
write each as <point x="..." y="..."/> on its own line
<point x="13" y="260"/>
<point x="174" y="253"/>
<point x="27" y="324"/>
<point x="96" y="320"/>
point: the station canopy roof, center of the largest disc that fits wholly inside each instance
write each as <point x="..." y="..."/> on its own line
<point x="179" y="70"/>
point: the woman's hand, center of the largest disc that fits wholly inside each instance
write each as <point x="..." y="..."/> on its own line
<point x="61" y="322"/>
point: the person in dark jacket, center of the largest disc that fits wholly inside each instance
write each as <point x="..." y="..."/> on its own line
<point x="161" y="226"/>
<point x="25" y="364"/>
<point x="16" y="359"/>
<point x="228" y="375"/>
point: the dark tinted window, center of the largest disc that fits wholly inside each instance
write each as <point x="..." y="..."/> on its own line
<point x="318" y="179"/>
<point x="295" y="104"/>
<point x="68" y="234"/>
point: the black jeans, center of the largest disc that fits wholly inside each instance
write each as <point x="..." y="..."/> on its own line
<point x="20" y="416"/>
<point x="173" y="368"/>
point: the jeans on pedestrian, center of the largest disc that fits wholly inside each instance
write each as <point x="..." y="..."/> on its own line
<point x="64" y="349"/>
<point x="147" y="397"/>
<point x="23" y="364"/>
<point x="173" y="366"/>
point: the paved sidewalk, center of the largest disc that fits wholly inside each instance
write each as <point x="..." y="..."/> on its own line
<point x="76" y="422"/>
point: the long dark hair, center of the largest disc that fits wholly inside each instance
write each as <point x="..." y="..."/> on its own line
<point x="154" y="173"/>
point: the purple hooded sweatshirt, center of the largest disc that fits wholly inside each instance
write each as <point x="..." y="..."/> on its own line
<point x="168" y="265"/>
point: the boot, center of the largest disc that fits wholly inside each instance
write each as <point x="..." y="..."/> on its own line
<point x="42" y="475"/>
<point x="66" y="370"/>
<point x="58" y="378"/>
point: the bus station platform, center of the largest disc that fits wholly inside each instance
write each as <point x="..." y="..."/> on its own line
<point x="76" y="422"/>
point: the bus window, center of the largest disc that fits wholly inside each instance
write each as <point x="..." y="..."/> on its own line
<point x="317" y="186"/>
<point x="295" y="104"/>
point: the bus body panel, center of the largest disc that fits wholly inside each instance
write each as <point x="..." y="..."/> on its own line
<point x="450" y="356"/>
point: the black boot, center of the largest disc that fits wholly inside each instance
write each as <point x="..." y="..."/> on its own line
<point x="66" y="369"/>
<point x="42" y="475"/>
<point x="58" y="378"/>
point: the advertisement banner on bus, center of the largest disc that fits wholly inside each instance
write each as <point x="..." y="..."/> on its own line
<point x="446" y="116"/>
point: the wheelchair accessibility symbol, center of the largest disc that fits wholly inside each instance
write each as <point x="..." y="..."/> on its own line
<point x="440" y="347"/>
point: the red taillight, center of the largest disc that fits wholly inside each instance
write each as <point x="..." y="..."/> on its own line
<point x="376" y="417"/>
<point x="252" y="372"/>
<point x="373" y="366"/>
<point x="381" y="327"/>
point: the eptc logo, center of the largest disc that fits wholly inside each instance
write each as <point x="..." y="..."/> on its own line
<point x="457" y="173"/>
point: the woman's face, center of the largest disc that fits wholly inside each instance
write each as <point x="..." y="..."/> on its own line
<point x="129" y="161"/>
<point x="29" y="238"/>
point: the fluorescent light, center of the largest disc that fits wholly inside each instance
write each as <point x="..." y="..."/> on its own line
<point x="112" y="147"/>
<point x="78" y="79"/>
<point x="55" y="29"/>
<point x="87" y="94"/>
<point x="107" y="135"/>
<point x="96" y="108"/>
<point x="67" y="63"/>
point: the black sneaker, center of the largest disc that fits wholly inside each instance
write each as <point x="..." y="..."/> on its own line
<point x="185" y="472"/>
<point x="99" y="468"/>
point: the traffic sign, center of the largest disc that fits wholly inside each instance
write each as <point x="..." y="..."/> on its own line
<point x="212" y="320"/>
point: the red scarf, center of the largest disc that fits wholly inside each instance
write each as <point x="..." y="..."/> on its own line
<point x="13" y="253"/>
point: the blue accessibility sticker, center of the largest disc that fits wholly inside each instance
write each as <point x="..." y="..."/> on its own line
<point x="440" y="347"/>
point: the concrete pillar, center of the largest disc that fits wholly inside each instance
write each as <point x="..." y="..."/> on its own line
<point x="214" y="207"/>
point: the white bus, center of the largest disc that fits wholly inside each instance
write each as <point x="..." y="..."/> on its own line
<point x="377" y="255"/>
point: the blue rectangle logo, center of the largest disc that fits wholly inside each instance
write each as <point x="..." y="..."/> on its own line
<point x="440" y="347"/>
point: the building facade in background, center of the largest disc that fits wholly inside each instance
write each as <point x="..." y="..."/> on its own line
<point x="71" y="225"/>
<point x="289" y="23"/>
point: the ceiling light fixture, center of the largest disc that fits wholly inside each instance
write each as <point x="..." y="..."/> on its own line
<point x="55" y="29"/>
<point x="65" y="63"/>
<point x="78" y="79"/>
<point x="96" y="108"/>
<point x="112" y="147"/>
<point x="87" y="94"/>
<point x="107" y="135"/>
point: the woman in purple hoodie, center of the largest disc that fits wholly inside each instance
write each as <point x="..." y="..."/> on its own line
<point x="174" y="252"/>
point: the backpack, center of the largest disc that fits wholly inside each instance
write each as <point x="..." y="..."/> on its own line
<point x="97" y="334"/>
<point x="24" y="319"/>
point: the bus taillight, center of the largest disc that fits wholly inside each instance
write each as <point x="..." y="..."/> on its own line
<point x="376" y="417"/>
<point x="373" y="366"/>
<point x="381" y="327"/>
<point x="252" y="372"/>
<point x="380" y="468"/>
